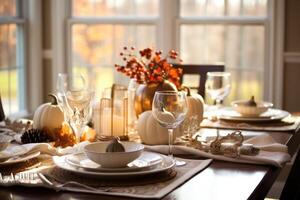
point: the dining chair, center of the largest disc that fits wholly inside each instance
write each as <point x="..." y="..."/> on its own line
<point x="2" y="115"/>
<point x="201" y="70"/>
<point x="291" y="189"/>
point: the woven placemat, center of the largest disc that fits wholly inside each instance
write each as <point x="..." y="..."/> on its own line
<point x="153" y="186"/>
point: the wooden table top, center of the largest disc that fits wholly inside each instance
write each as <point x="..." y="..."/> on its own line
<point x="220" y="180"/>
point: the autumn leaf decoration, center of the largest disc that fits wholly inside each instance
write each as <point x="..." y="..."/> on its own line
<point x="150" y="66"/>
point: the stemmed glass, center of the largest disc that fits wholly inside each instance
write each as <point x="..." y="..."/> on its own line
<point x="65" y="81"/>
<point x="218" y="86"/>
<point x="75" y="96"/>
<point x="169" y="108"/>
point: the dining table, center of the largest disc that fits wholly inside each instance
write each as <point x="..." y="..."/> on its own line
<point x="220" y="180"/>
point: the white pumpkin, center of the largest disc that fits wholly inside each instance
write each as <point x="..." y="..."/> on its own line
<point x="151" y="132"/>
<point x="196" y="106"/>
<point x="48" y="115"/>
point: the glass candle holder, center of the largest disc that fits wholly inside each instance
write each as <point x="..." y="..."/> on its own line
<point x="114" y="113"/>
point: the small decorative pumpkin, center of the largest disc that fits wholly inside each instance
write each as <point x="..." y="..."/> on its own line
<point x="151" y="132"/>
<point x="196" y="105"/>
<point x="48" y="115"/>
<point x="115" y="146"/>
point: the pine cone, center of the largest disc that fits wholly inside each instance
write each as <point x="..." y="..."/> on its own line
<point x="35" y="136"/>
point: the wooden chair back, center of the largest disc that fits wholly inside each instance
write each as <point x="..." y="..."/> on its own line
<point x="200" y="70"/>
<point x="2" y="115"/>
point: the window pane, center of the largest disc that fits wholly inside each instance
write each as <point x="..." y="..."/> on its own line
<point x="9" y="71"/>
<point x="223" y="7"/>
<point x="7" y="7"/>
<point x="7" y="46"/>
<point x="241" y="48"/>
<point x="96" y="48"/>
<point x="92" y="8"/>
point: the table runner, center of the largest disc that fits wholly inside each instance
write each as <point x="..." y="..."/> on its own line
<point x="155" y="190"/>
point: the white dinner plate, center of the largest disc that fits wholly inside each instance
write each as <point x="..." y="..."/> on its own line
<point x="228" y="113"/>
<point x="20" y="158"/>
<point x="166" y="164"/>
<point x="145" y="161"/>
<point x="11" y="151"/>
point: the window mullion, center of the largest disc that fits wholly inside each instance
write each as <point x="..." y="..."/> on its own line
<point x="224" y="20"/>
<point x="113" y="20"/>
<point x="61" y="10"/>
<point x="21" y="66"/>
<point x="12" y="20"/>
<point x="166" y="27"/>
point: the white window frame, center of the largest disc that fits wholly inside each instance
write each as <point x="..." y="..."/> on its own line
<point x="20" y="22"/>
<point x="29" y="40"/>
<point x="168" y="36"/>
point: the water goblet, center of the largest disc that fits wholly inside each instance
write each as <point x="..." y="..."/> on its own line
<point x="65" y="81"/>
<point x="75" y="98"/>
<point x="218" y="86"/>
<point x="79" y="103"/>
<point x="169" y="108"/>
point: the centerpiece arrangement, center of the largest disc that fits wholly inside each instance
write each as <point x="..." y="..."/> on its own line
<point x="152" y="71"/>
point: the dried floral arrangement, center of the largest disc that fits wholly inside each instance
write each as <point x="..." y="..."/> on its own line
<point x="60" y="137"/>
<point x="150" y="66"/>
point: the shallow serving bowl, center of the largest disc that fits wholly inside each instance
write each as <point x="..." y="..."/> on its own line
<point x="97" y="153"/>
<point x="251" y="111"/>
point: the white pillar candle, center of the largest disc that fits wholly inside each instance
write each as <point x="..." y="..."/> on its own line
<point x="105" y="123"/>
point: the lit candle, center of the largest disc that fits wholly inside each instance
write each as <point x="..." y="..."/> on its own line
<point x="118" y="125"/>
<point x="105" y="123"/>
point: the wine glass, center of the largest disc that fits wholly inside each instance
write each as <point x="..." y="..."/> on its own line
<point x="65" y="81"/>
<point x="75" y="98"/>
<point x="169" y="108"/>
<point x="218" y="86"/>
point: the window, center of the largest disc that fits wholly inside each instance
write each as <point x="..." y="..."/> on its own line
<point x="12" y="84"/>
<point x="100" y="29"/>
<point x="233" y="32"/>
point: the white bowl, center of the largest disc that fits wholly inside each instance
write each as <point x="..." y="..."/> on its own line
<point x="251" y="111"/>
<point x="97" y="153"/>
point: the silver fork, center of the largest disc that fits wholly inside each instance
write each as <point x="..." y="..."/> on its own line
<point x="59" y="186"/>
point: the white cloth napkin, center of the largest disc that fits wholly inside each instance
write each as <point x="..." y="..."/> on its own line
<point x="43" y="148"/>
<point x="271" y="152"/>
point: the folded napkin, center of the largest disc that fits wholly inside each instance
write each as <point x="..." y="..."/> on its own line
<point x="271" y="152"/>
<point x="43" y="148"/>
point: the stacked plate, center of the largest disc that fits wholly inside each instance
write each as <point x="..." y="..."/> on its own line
<point x="229" y="113"/>
<point x="147" y="163"/>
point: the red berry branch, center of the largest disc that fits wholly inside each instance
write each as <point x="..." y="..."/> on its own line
<point x="150" y="66"/>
